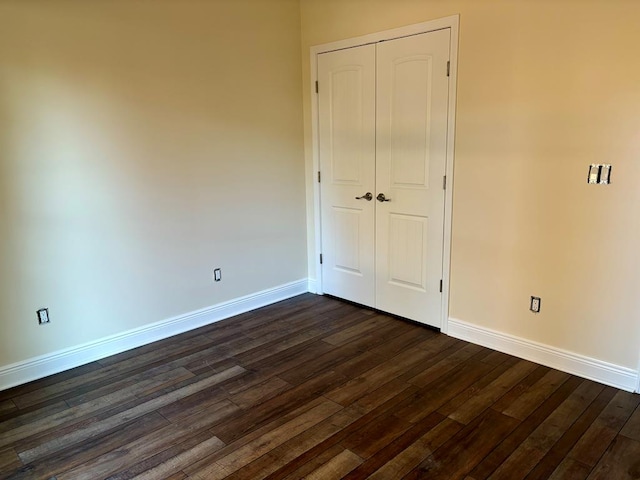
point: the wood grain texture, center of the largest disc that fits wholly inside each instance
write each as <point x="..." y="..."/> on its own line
<point x="313" y="387"/>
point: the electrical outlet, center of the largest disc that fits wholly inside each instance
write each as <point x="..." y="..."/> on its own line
<point x="43" y="316"/>
<point x="535" y="304"/>
<point x="217" y="275"/>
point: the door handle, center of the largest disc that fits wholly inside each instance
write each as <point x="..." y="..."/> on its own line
<point x="382" y="198"/>
<point x="367" y="196"/>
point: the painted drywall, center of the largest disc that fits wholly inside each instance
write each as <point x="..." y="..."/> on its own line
<point x="544" y="89"/>
<point x="142" y="144"/>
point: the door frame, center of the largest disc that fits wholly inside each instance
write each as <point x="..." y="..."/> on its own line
<point x="451" y="22"/>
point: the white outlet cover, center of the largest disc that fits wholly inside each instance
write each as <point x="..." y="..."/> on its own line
<point x="535" y="305"/>
<point x="43" y="316"/>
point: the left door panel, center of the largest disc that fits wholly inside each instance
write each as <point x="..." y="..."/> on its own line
<point x="347" y="116"/>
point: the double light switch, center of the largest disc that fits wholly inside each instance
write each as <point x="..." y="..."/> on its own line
<point x="599" y="174"/>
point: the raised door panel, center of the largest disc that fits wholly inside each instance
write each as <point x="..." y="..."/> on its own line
<point x="346" y="104"/>
<point x="408" y="251"/>
<point x="409" y="122"/>
<point x="346" y="125"/>
<point x="347" y="240"/>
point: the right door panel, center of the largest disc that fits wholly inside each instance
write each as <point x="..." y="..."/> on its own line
<point x="411" y="133"/>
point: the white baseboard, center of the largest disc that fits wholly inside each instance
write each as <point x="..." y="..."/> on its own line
<point x="56" y="362"/>
<point x="312" y="285"/>
<point x="586" y="367"/>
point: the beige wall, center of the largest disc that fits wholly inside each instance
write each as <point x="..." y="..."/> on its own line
<point x="142" y="144"/>
<point x="544" y="89"/>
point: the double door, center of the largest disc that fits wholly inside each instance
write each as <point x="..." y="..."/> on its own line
<point x="383" y="113"/>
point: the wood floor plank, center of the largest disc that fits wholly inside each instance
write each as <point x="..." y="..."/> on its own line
<point x="175" y="462"/>
<point x="439" y="343"/>
<point x="520" y="388"/>
<point x="379" y="335"/>
<point x="247" y="421"/>
<point x="534" y="448"/>
<point x="312" y="465"/>
<point x="122" y="458"/>
<point x="384" y="402"/>
<point x="30" y="415"/>
<point x="570" y="469"/>
<point x="214" y="413"/>
<point x="246" y="322"/>
<point x="260" y="392"/>
<point x="394" y="448"/>
<point x="292" y="339"/>
<point x="554" y="457"/>
<point x="82" y="411"/>
<point x="104" y="417"/>
<point x="131" y="383"/>
<point x="409" y="458"/>
<point x="9" y="461"/>
<point x="211" y="359"/>
<point x="297" y="323"/>
<point x="176" y="476"/>
<point x="359" y="364"/>
<point x="390" y="391"/>
<point x="631" y="429"/>
<point x="411" y="338"/>
<point x="496" y="358"/>
<point x="506" y="447"/>
<point x="352" y="333"/>
<point x="257" y="433"/>
<point x="79" y="454"/>
<point x="592" y="445"/>
<point x="290" y="358"/>
<point x="621" y="461"/>
<point x="337" y="467"/>
<point x="48" y="381"/>
<point x="529" y="400"/>
<point x="446" y="365"/>
<point x="212" y="397"/>
<point x="374" y="436"/>
<point x="7" y="407"/>
<point x="486" y="397"/>
<point x="466" y="449"/>
<point x="242" y="456"/>
<point x="365" y="383"/>
<point x="296" y="447"/>
<point x="443" y="390"/>
<point x="478" y="386"/>
<point x="88" y="380"/>
<point x="321" y="363"/>
<point x="91" y="430"/>
<point x="313" y="387"/>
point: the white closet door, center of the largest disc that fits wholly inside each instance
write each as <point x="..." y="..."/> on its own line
<point x="411" y="123"/>
<point x="347" y="162"/>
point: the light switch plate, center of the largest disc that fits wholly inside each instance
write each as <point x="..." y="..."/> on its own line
<point x="599" y="173"/>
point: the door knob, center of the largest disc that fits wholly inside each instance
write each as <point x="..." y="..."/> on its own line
<point x="367" y="196"/>
<point x="382" y="198"/>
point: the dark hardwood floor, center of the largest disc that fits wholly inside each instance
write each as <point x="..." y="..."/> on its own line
<point x="319" y="389"/>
